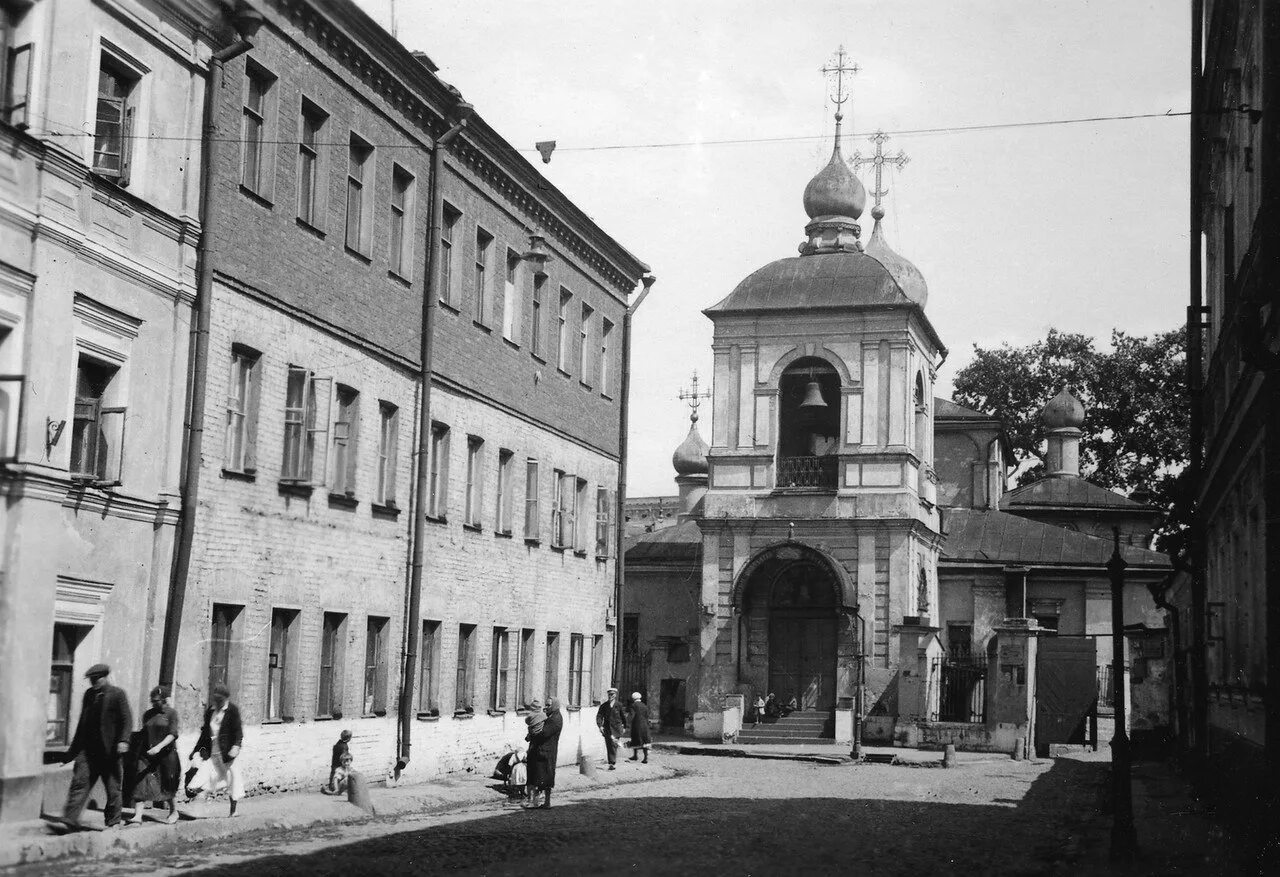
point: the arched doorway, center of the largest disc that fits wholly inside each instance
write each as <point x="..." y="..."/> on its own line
<point x="802" y="636"/>
<point x="789" y="598"/>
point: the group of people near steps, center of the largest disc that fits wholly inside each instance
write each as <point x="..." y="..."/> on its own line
<point x="142" y="767"/>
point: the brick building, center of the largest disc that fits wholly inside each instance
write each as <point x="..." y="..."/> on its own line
<point x="297" y="592"/>
<point x="97" y="248"/>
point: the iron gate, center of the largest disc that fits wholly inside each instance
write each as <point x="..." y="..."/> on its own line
<point x="962" y="689"/>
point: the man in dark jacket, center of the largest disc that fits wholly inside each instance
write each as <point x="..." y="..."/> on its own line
<point x="610" y="721"/>
<point x="544" y="751"/>
<point x="102" y="736"/>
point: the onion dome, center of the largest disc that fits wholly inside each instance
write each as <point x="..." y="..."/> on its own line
<point x="835" y="191"/>
<point x="691" y="457"/>
<point x="908" y="276"/>
<point x="1063" y="410"/>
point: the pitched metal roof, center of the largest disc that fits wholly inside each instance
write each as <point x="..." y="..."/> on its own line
<point x="989" y="536"/>
<point x="681" y="542"/>
<point x="1068" y="491"/>
<point x="945" y="409"/>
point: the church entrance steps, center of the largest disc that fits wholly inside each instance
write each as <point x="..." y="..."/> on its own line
<point x="802" y="726"/>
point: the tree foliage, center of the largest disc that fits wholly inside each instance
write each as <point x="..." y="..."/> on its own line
<point x="1135" y="430"/>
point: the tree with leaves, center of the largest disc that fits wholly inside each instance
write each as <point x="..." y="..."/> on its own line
<point x="1135" y="430"/>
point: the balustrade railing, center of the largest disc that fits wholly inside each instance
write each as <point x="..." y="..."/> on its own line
<point x="820" y="472"/>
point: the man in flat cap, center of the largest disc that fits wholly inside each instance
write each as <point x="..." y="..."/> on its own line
<point x="102" y="736"/>
<point x="610" y="721"/>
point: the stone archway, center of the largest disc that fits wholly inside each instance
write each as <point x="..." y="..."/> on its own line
<point x="790" y="599"/>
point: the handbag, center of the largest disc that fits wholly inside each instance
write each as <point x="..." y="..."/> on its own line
<point x="196" y="779"/>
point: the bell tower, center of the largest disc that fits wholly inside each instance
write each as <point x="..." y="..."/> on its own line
<point x="820" y="466"/>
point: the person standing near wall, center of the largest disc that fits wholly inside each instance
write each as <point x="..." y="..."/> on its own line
<point x="102" y="736"/>
<point x="639" y="727"/>
<point x="219" y="743"/>
<point x="610" y="721"/>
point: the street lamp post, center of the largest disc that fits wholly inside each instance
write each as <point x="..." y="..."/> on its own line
<point x="1124" y="839"/>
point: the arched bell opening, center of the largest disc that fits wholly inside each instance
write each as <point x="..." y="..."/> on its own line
<point x="790" y="599"/>
<point x="808" y="424"/>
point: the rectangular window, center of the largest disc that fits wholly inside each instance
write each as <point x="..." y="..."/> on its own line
<point x="306" y="426"/>
<point x="375" y="666"/>
<point x="597" y="669"/>
<point x="604" y="521"/>
<point x="535" y="315"/>
<point x="463" y="693"/>
<point x="475" y="480"/>
<point x="500" y="672"/>
<point x="113" y="125"/>
<point x="346" y="429"/>
<point x="388" y="452"/>
<point x="57" y="729"/>
<point x="511" y="299"/>
<point x="448" y="294"/>
<point x="438" y="473"/>
<point x="254" y="154"/>
<point x="575" y="669"/>
<point x="630" y="634"/>
<point x="524" y="683"/>
<point x="223" y="649"/>
<point x="562" y="331"/>
<point x="484" y="296"/>
<point x="551" y="675"/>
<point x="333" y="634"/>
<point x="562" y="498"/>
<point x="242" y="411"/>
<point x="359" y="189"/>
<point x="502" y="514"/>
<point x="279" y="679"/>
<point x="606" y="330"/>
<point x="531" y="500"/>
<point x="584" y="345"/>
<point x="16" y="90"/>
<point x="429" y="682"/>
<point x="402" y="191"/>
<point x="581" y="515"/>
<point x="97" y="431"/>
<point x="310" y="190"/>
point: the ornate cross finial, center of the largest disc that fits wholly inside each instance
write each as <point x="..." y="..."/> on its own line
<point x="879" y="160"/>
<point x="694" y="398"/>
<point x="839" y="68"/>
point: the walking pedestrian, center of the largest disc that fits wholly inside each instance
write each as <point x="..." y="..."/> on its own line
<point x="639" y="727"/>
<point x="610" y="721"/>
<point x="544" y="751"/>
<point x="157" y="768"/>
<point x="219" y="744"/>
<point x="102" y="736"/>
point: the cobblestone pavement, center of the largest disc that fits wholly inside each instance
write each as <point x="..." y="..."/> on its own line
<point x="731" y="816"/>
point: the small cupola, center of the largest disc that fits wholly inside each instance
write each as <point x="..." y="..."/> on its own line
<point x="1062" y="419"/>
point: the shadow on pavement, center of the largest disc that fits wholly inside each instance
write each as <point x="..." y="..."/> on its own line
<point x="1059" y="827"/>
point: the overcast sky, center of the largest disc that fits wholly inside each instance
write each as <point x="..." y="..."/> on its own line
<point x="1081" y="226"/>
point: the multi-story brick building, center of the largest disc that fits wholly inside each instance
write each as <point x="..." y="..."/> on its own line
<point x="100" y="109"/>
<point x="298" y="586"/>
<point x="1227" y="619"/>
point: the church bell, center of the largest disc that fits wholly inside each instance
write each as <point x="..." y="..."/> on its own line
<point x="813" y="396"/>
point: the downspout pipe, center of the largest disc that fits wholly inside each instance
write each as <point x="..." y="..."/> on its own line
<point x="619" y="512"/>
<point x="462" y="111"/>
<point x="246" y="22"/>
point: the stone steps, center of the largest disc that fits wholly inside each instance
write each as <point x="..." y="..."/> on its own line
<point x="797" y="728"/>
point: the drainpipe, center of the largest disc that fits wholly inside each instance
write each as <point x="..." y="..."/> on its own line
<point x="462" y="111"/>
<point x="246" y="22"/>
<point x="619" y="512"/>
<point x="1157" y="590"/>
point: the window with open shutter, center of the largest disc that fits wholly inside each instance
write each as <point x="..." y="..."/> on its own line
<point x="531" y="531"/>
<point x="319" y="399"/>
<point x="603" y="520"/>
<point x="113" y="123"/>
<point x="17" y="85"/>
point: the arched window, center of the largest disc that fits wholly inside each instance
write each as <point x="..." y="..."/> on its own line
<point x="808" y="424"/>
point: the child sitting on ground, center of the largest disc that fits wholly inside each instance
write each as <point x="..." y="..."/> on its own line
<point x="338" y="779"/>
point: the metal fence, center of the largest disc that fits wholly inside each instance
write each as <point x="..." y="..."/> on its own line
<point x="807" y="471"/>
<point x="633" y="675"/>
<point x="1106" y="688"/>
<point x="962" y="689"/>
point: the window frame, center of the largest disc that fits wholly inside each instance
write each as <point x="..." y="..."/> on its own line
<point x="532" y="495"/>
<point x="346" y="444"/>
<point x="574" y="694"/>
<point x="474" y="505"/>
<point x="224" y="651"/>
<point x="123" y="72"/>
<point x="239" y="448"/>
<point x="374" y="703"/>
<point x="581" y="533"/>
<point x="278" y="693"/>
<point x="361" y="182"/>
<point x="388" y="453"/>
<point x="482" y="278"/>
<point x="311" y="165"/>
<point x="511" y="297"/>
<point x="311" y="442"/>
<point x="502" y="513"/>
<point x="438" y="473"/>
<point x="448" y="279"/>
<point x="536" y="307"/>
<point x="524" y="682"/>
<point x="464" y="680"/>
<point x="91" y="459"/>
<point x="604" y="521"/>
<point x="606" y="330"/>
<point x="429" y="665"/>
<point x="403" y="186"/>
<point x="585" y="345"/>
<point x="333" y="647"/>
<point x="500" y="670"/>
<point x="551" y="665"/>
<point x="562" y="331"/>
<point x="256" y="166"/>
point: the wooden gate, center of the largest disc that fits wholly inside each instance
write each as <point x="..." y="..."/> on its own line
<point x="1066" y="689"/>
<point x="802" y="660"/>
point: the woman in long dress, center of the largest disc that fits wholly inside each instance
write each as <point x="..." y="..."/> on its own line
<point x="639" y="727"/>
<point x="157" y="769"/>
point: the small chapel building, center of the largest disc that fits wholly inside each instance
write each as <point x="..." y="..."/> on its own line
<point x="818" y="553"/>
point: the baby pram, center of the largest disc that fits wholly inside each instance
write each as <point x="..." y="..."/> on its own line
<point x="513" y="771"/>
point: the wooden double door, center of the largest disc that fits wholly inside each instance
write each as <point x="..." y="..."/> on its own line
<point x="802" y="658"/>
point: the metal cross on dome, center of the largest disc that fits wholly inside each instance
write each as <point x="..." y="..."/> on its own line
<point x="694" y="398"/>
<point x="839" y="68"/>
<point x="878" y="160"/>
